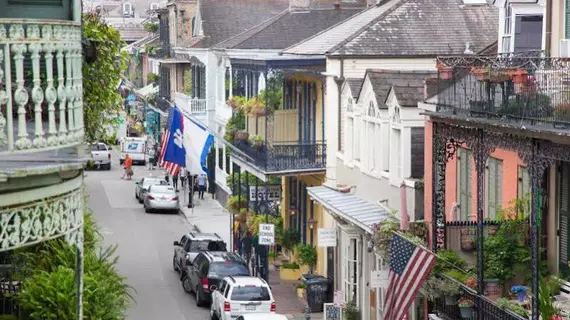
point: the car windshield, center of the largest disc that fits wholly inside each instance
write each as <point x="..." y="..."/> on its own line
<point x="150" y="182"/>
<point x="98" y="147"/>
<point x="161" y="189"/>
<point x="206" y="245"/>
<point x="250" y="294"/>
<point x="226" y="269"/>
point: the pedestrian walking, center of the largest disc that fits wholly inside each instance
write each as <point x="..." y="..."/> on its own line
<point x="167" y="178"/>
<point x="175" y="181"/>
<point x="151" y="157"/>
<point x="183" y="178"/>
<point x="128" y="168"/>
<point x="202" y="181"/>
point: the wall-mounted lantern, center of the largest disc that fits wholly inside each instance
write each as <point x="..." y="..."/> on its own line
<point x="312" y="223"/>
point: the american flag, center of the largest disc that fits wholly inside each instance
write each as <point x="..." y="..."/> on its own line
<point x="409" y="267"/>
<point x="171" y="168"/>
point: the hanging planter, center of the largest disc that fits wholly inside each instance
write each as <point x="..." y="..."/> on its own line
<point x="519" y="76"/>
<point x="445" y="72"/>
<point x="466" y="308"/>
<point x="466" y="239"/>
<point x="480" y="73"/>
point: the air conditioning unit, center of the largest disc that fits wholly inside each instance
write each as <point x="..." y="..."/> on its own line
<point x="565" y="48"/>
<point x="154" y="6"/>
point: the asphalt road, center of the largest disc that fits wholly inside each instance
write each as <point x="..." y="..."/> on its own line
<point x="145" y="246"/>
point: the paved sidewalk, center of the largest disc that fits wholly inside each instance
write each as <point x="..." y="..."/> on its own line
<point x="209" y="216"/>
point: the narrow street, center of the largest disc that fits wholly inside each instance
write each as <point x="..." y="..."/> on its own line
<point x="145" y="245"/>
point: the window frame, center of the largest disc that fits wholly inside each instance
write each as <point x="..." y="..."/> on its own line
<point x="464" y="156"/>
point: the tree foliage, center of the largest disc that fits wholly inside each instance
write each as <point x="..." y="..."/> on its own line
<point x="47" y="274"/>
<point x="101" y="101"/>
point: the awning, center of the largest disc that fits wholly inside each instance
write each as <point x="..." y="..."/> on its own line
<point x="153" y="108"/>
<point x="350" y="207"/>
<point x="148" y="90"/>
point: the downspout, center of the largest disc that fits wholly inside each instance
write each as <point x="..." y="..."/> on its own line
<point x="548" y="29"/>
<point x="339" y="80"/>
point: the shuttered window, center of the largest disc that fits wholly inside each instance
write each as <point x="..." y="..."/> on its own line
<point x="564" y="213"/>
<point x="464" y="159"/>
<point x="494" y="178"/>
<point x="523" y="182"/>
<point x="567" y="18"/>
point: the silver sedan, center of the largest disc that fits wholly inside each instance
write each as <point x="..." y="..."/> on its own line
<point x="141" y="187"/>
<point x="160" y="197"/>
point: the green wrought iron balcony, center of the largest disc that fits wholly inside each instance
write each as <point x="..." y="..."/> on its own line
<point x="41" y="88"/>
<point x="513" y="89"/>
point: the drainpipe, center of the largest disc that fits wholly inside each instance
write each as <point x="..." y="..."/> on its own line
<point x="339" y="80"/>
<point x="548" y="29"/>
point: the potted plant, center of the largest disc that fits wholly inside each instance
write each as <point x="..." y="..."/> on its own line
<point x="236" y="203"/>
<point x="258" y="141"/>
<point x="520" y="291"/>
<point x="257" y="107"/>
<point x="445" y="72"/>
<point x="301" y="290"/>
<point x="307" y="255"/>
<point x="235" y="102"/>
<point x="450" y="290"/>
<point x="466" y="307"/>
<point x="519" y="76"/>
<point x="350" y="311"/>
<point x="241" y="135"/>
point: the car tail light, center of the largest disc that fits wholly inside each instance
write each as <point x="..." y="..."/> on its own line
<point x="205" y="284"/>
<point x="175" y="199"/>
<point x="227" y="307"/>
<point x="150" y="197"/>
<point x="273" y="307"/>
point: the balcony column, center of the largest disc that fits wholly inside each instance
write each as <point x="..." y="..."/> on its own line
<point x="537" y="166"/>
<point x="439" y="159"/>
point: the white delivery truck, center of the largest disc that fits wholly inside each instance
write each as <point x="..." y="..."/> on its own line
<point x="135" y="148"/>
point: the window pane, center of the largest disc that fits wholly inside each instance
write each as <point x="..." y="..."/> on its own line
<point x="250" y="294"/>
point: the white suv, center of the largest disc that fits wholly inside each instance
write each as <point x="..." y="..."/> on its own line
<point x="241" y="295"/>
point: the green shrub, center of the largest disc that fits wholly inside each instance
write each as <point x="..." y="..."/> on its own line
<point x="291" y="265"/>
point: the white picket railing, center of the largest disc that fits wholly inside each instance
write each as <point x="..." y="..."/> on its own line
<point x="41" y="86"/>
<point x="192" y="105"/>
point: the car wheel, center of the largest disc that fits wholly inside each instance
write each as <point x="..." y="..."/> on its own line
<point x="140" y="200"/>
<point x="199" y="300"/>
<point x="109" y="167"/>
<point x="147" y="210"/>
<point x="213" y="315"/>
<point x="186" y="284"/>
<point x="137" y="196"/>
<point x="174" y="264"/>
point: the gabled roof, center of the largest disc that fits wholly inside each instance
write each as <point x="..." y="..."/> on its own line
<point x="223" y="19"/>
<point x="409" y="28"/>
<point x="288" y="28"/>
<point x="327" y="40"/>
<point x="355" y="85"/>
<point x="407" y="85"/>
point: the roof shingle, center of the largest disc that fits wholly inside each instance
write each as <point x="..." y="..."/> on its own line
<point x="408" y="86"/>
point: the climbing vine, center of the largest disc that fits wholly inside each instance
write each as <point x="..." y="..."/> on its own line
<point x="101" y="101"/>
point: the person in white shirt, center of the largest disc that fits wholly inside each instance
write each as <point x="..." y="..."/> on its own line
<point x="202" y="182"/>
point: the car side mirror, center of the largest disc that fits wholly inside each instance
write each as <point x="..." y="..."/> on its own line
<point x="213" y="287"/>
<point x="138" y="182"/>
<point x="176" y="243"/>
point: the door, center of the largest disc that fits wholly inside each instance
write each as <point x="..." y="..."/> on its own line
<point x="184" y="251"/>
<point x="178" y="252"/>
<point x="564" y="216"/>
<point x="217" y="296"/>
<point x="195" y="277"/>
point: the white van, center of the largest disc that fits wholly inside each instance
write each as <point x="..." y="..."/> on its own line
<point x="135" y="148"/>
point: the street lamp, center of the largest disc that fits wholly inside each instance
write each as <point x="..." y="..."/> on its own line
<point x="292" y="211"/>
<point x="312" y="223"/>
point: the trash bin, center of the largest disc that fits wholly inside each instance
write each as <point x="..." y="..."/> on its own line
<point x="318" y="289"/>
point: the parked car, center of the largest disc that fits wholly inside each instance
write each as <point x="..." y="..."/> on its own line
<point x="241" y="295"/>
<point x="161" y="198"/>
<point x="141" y="187"/>
<point x="101" y="155"/>
<point x="262" y="316"/>
<point x="186" y="250"/>
<point x="207" y="270"/>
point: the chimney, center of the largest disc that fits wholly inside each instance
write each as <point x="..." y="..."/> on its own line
<point x="299" y="5"/>
<point x="430" y="87"/>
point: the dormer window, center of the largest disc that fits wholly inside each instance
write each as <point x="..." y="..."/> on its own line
<point x="127" y="9"/>
<point x="154" y="6"/>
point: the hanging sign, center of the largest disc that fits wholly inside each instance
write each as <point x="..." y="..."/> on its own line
<point x="266" y="234"/>
<point x="326" y="237"/>
<point x="379" y="279"/>
<point x="270" y="193"/>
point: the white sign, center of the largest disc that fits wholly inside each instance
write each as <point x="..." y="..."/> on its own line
<point x="338" y="299"/>
<point x="271" y="193"/>
<point x="266" y="234"/>
<point x="326" y="237"/>
<point x="379" y="279"/>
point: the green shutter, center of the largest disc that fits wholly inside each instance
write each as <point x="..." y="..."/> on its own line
<point x="567" y="19"/>
<point x="499" y="185"/>
<point x="491" y="191"/>
<point x="564" y="205"/>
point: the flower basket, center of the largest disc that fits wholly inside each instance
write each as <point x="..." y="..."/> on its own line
<point x="519" y="76"/>
<point x="466" y="308"/>
<point x="259" y="143"/>
<point x="480" y="73"/>
<point x="241" y="135"/>
<point x="466" y="239"/>
<point x="445" y="72"/>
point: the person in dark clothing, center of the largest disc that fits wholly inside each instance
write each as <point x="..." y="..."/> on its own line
<point x="166" y="178"/>
<point x="202" y="180"/>
<point x="246" y="245"/>
<point x="175" y="181"/>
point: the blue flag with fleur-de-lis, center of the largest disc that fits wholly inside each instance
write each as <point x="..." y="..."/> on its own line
<point x="175" y="151"/>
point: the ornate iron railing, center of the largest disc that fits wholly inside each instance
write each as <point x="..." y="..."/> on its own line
<point x="286" y="156"/>
<point x="521" y="88"/>
<point x="450" y="310"/>
<point x="41" y="105"/>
